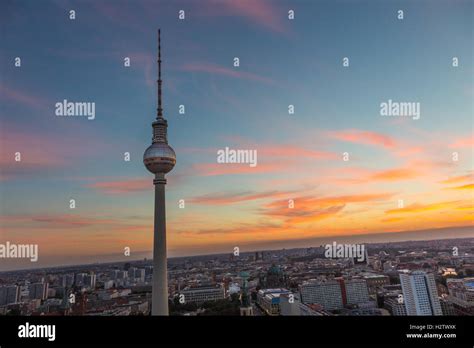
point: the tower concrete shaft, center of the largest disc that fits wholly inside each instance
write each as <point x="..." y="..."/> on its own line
<point x="160" y="274"/>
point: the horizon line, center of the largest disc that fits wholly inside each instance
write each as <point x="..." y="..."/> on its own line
<point x="255" y="250"/>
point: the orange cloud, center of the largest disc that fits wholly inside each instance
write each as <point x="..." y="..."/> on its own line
<point x="299" y="216"/>
<point x="457" y="179"/>
<point x="308" y="201"/>
<point x="467" y="142"/>
<point x="354" y="175"/>
<point x="229" y="198"/>
<point x="463" y="187"/>
<point x="394" y="219"/>
<point x="58" y="221"/>
<point x="310" y="209"/>
<point x="237" y="229"/>
<point x="363" y="137"/>
<point x="421" y="208"/>
<point x="394" y="174"/>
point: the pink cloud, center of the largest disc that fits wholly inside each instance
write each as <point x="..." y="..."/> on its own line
<point x="212" y="169"/>
<point x="259" y="12"/>
<point x="467" y="142"/>
<point x="37" y="152"/>
<point x="294" y="151"/>
<point x="21" y="97"/>
<point x="122" y="186"/>
<point x="220" y="70"/>
<point x="42" y="151"/>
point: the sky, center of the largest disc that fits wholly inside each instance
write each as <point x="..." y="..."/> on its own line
<point x="400" y="174"/>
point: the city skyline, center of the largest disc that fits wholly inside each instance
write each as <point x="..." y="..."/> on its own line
<point x="395" y="279"/>
<point x="300" y="155"/>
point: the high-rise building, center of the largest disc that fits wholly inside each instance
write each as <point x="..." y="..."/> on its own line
<point x="121" y="274"/>
<point x="290" y="304"/>
<point x="395" y="306"/>
<point x="420" y="294"/>
<point x="131" y="272"/>
<point x="447" y="306"/>
<point x="269" y="299"/>
<point x="461" y="295"/>
<point x="80" y="279"/>
<point x="148" y="270"/>
<point x="140" y="275"/>
<point x="327" y="294"/>
<point x="9" y="294"/>
<point x="159" y="158"/>
<point x="68" y="280"/>
<point x="375" y="281"/>
<point x="356" y="291"/>
<point x="90" y="280"/>
<point x="200" y="294"/>
<point x="39" y="291"/>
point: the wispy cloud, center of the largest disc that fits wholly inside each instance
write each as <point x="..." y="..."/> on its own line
<point x="16" y="96"/>
<point x="122" y="186"/>
<point x="294" y="152"/>
<point x="457" y="179"/>
<point x="396" y="174"/>
<point x="466" y="142"/>
<point x="463" y="187"/>
<point x="421" y="208"/>
<point x="236" y="197"/>
<point x="214" y="69"/>
<point x="310" y="209"/>
<point x="363" y="137"/>
<point x="211" y="169"/>
<point x="262" y="13"/>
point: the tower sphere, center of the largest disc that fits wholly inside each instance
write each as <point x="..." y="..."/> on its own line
<point x="159" y="158"/>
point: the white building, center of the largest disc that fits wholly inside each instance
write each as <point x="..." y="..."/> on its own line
<point x="38" y="291"/>
<point x="395" y="306"/>
<point x="269" y="299"/>
<point x="202" y="294"/>
<point x="461" y="295"/>
<point x="140" y="275"/>
<point x="9" y="294"/>
<point x="68" y="280"/>
<point x="234" y="288"/>
<point x="108" y="284"/>
<point x="328" y="294"/>
<point x="420" y="294"/>
<point x="356" y="291"/>
<point x="290" y="304"/>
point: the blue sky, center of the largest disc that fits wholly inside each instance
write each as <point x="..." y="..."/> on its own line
<point x="282" y="62"/>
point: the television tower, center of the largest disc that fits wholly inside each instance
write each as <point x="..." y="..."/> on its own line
<point x="159" y="159"/>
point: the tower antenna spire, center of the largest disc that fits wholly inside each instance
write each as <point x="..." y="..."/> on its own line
<point x="160" y="106"/>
